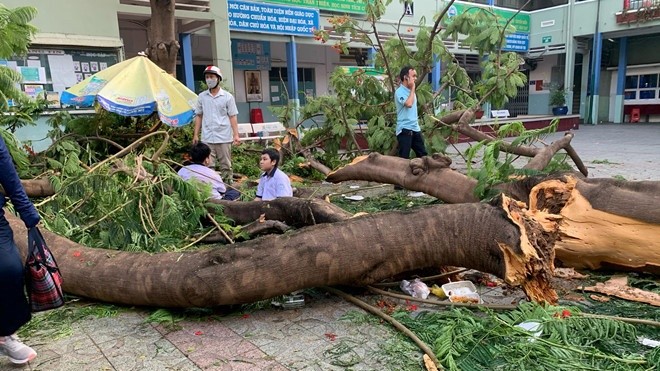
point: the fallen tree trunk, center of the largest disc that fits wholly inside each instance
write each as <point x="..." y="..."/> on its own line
<point x="292" y="211"/>
<point x="508" y="243"/>
<point x="606" y="223"/>
<point x="428" y="174"/>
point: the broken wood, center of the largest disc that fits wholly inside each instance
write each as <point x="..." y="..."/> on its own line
<point x="617" y="286"/>
<point x="603" y="223"/>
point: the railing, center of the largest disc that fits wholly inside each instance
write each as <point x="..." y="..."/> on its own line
<point x="639" y="4"/>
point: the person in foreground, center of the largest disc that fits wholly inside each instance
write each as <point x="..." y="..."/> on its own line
<point x="273" y="182"/>
<point x="200" y="154"/>
<point x="14" y="308"/>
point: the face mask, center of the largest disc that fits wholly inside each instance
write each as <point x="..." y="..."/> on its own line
<point x="211" y="83"/>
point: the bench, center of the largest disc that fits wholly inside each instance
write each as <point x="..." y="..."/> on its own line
<point x="269" y="130"/>
<point x="499" y="114"/>
<point x="245" y="131"/>
<point x="264" y="131"/>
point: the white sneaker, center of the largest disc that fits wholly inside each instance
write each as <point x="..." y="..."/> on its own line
<point x="17" y="352"/>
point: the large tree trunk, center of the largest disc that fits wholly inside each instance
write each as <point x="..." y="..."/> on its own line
<point x="163" y="46"/>
<point x="604" y="222"/>
<point x="503" y="239"/>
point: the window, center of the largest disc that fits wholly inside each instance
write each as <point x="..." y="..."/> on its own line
<point x="648" y="81"/>
<point x="278" y="79"/>
<point x="642" y="88"/>
<point x="647" y="94"/>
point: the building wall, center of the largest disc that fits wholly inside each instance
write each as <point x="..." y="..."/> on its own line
<point x="74" y="17"/>
<point x="539" y="100"/>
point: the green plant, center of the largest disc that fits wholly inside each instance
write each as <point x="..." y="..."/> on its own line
<point x="557" y="97"/>
<point x="493" y="341"/>
<point x="361" y="96"/>
<point x="496" y="166"/>
<point x="15" y="36"/>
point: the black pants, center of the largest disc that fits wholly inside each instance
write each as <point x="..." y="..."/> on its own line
<point x="14" y="308"/>
<point x="409" y="139"/>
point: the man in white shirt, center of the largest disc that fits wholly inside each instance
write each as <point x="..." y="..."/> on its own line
<point x="273" y="182"/>
<point x="216" y="118"/>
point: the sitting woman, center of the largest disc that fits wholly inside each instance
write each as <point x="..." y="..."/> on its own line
<point x="273" y="182"/>
<point x="200" y="155"/>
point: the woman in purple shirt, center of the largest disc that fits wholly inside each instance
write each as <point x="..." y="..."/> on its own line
<point x="200" y="154"/>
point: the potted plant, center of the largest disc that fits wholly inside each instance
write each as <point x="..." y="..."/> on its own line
<point x="558" y="101"/>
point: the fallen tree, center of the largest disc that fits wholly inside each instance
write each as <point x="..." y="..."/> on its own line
<point x="509" y="243"/>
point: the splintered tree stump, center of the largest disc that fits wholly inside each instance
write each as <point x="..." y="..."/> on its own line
<point x="604" y="224"/>
<point x="502" y="239"/>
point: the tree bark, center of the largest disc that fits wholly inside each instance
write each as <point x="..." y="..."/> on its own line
<point x="428" y="174"/>
<point x="508" y="243"/>
<point x="162" y="44"/>
<point x="292" y="211"/>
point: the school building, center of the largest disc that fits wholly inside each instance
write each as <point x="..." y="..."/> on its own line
<point x="601" y="51"/>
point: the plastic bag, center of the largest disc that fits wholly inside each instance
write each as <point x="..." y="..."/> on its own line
<point x="416" y="288"/>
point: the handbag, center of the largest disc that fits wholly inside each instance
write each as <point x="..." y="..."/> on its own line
<point x="42" y="276"/>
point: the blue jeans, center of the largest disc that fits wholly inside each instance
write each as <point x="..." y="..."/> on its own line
<point x="231" y="195"/>
<point x="409" y="139"/>
<point x="14" y="308"/>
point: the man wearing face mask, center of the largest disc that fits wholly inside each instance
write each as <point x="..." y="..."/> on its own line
<point x="216" y="117"/>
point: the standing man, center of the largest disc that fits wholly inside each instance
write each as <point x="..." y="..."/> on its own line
<point x="216" y="116"/>
<point x="408" y="132"/>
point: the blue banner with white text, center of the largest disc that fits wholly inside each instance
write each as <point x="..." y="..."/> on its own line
<point x="269" y="18"/>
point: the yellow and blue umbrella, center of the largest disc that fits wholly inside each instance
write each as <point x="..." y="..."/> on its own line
<point x="135" y="87"/>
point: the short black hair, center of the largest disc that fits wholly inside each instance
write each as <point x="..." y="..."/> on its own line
<point x="404" y="72"/>
<point x="273" y="154"/>
<point x="199" y="152"/>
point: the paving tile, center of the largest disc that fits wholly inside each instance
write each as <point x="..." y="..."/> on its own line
<point x="133" y="324"/>
<point x="63" y="354"/>
<point x="86" y="358"/>
<point x="135" y="353"/>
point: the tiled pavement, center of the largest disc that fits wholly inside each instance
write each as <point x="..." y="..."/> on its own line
<point x="313" y="337"/>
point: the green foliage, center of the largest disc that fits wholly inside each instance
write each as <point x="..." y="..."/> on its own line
<point x="492" y="341"/>
<point x="21" y="160"/>
<point x="15" y="36"/>
<point x="298" y="166"/>
<point x="557" y="96"/>
<point x="497" y="167"/>
<point x="386" y="202"/>
<point x="8" y="90"/>
<point x="245" y="159"/>
<point x="24" y="113"/>
<point x="129" y="204"/>
<point x="360" y="97"/>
